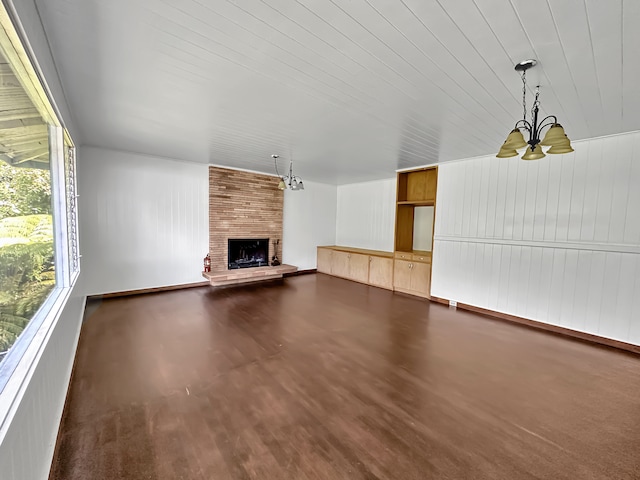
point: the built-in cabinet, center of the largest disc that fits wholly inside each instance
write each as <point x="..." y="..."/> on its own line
<point x="408" y="268"/>
<point x="412" y="277"/>
<point x="415" y="190"/>
<point x="381" y="272"/>
<point x="372" y="267"/>
<point x="415" y="214"/>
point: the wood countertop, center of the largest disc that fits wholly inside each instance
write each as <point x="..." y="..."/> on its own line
<point x="363" y="251"/>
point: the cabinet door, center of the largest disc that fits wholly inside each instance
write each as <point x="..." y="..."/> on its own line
<point x="324" y="260"/>
<point x="402" y="275"/>
<point x="381" y="272"/>
<point x="359" y="267"/>
<point x="420" y="273"/>
<point x="340" y="264"/>
<point x="431" y="183"/>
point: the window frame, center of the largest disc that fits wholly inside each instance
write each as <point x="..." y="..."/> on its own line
<point x="19" y="363"/>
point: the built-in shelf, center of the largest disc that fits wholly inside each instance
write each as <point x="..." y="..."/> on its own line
<point x="418" y="203"/>
<point x="412" y="268"/>
<point x="415" y="189"/>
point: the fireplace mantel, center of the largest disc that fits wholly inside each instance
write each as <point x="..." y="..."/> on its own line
<point x="247" y="275"/>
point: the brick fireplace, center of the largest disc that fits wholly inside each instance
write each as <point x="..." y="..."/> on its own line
<point x="242" y="205"/>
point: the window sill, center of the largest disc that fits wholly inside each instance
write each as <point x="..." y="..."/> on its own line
<point x="19" y="364"/>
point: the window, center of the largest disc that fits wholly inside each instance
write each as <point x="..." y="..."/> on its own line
<point x="72" y="206"/>
<point x="27" y="267"/>
<point x="39" y="256"/>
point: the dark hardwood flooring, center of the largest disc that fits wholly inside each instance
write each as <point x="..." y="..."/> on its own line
<point x="313" y="377"/>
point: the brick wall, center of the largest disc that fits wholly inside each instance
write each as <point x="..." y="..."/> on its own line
<point x="242" y="205"/>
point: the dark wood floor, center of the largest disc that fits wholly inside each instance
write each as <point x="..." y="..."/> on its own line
<point x="314" y="377"/>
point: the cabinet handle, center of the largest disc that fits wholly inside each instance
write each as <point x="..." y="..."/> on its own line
<point x="348" y="255"/>
<point x="371" y="259"/>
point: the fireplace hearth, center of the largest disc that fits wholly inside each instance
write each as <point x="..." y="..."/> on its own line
<point x="248" y="252"/>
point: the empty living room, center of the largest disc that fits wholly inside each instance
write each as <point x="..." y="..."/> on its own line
<point x="319" y="239"/>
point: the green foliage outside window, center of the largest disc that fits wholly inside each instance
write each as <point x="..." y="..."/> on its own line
<point x="27" y="273"/>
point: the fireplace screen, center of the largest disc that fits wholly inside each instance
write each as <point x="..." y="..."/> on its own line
<point x="248" y="252"/>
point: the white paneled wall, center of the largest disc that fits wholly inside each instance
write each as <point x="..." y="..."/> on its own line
<point x="28" y="436"/>
<point x="555" y="240"/>
<point x="366" y="214"/>
<point x="309" y="220"/>
<point x="28" y="432"/>
<point x="143" y="220"/>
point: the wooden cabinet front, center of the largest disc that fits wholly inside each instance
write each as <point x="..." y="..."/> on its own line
<point x="340" y="264"/>
<point x="371" y="267"/>
<point x="381" y="272"/>
<point x="359" y="267"/>
<point x="420" y="273"/>
<point x="324" y="260"/>
<point x="402" y="275"/>
<point x="412" y="277"/>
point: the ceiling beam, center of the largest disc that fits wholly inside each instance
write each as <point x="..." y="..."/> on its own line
<point x="30" y="156"/>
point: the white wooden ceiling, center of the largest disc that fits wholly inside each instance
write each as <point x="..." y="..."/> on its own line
<point x="355" y="89"/>
<point x="24" y="137"/>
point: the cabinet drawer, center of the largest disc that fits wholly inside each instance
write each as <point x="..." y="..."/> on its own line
<point x="403" y="255"/>
<point x="421" y="258"/>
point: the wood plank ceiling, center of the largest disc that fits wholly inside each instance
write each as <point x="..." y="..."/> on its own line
<point x="353" y="89"/>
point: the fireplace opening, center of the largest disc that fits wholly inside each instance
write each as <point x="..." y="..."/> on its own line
<point x="248" y="252"/>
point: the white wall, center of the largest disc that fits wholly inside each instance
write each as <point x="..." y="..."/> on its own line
<point x="366" y="215"/>
<point x="309" y="220"/>
<point x="555" y="240"/>
<point x="143" y="220"/>
<point x="28" y="434"/>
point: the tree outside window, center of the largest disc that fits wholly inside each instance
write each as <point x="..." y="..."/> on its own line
<point x="27" y="274"/>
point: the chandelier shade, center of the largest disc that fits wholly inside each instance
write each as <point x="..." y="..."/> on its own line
<point x="515" y="140"/>
<point x="561" y="148"/>
<point x="555" y="137"/>
<point x="534" y="154"/>
<point x="506" y="151"/>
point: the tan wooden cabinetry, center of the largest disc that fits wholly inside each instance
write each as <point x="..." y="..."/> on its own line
<point x="340" y="264"/>
<point x="407" y="272"/>
<point x="412" y="277"/>
<point x="324" y="260"/>
<point x="381" y="272"/>
<point x="421" y="278"/>
<point x="372" y="267"/>
<point x="415" y="189"/>
<point x="352" y="266"/>
<point x="402" y="275"/>
<point x="412" y="268"/>
<point x="358" y="267"/>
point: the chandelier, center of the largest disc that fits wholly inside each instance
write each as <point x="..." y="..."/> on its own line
<point x="554" y="138"/>
<point x="288" y="181"/>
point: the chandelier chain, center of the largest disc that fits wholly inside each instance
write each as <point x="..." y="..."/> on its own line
<point x="524" y="94"/>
